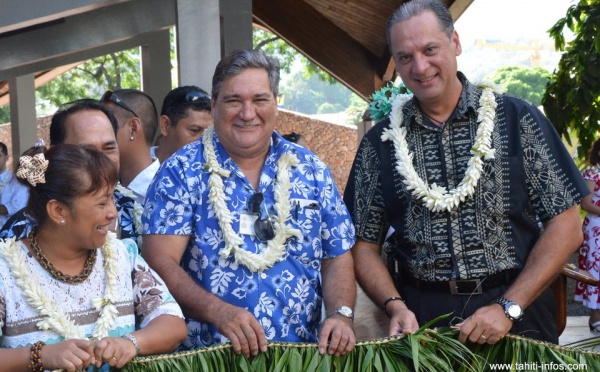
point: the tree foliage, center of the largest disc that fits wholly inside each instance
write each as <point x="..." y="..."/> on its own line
<point x="287" y="55"/>
<point x="523" y="82"/>
<point x="87" y="80"/>
<point x="571" y="101"/>
<point x="90" y="79"/>
<point x="309" y="89"/>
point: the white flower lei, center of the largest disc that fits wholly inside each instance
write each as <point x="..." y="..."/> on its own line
<point x="56" y="319"/>
<point x="435" y="197"/>
<point x="233" y="242"/>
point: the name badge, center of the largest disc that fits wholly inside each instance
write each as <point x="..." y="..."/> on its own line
<point x="247" y="223"/>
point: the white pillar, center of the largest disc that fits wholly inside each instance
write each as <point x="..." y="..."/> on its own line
<point x="237" y="25"/>
<point x="156" y="67"/>
<point x="198" y="41"/>
<point x="23" y="122"/>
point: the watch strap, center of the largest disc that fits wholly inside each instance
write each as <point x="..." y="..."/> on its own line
<point x="131" y="337"/>
<point x="340" y="311"/>
<point x="505" y="303"/>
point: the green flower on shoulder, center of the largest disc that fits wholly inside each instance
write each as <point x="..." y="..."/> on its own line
<point x="381" y="101"/>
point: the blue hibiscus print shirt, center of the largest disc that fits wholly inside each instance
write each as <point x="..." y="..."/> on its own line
<point x="286" y="299"/>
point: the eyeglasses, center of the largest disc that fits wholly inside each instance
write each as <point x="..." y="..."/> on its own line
<point x="110" y="96"/>
<point x="263" y="227"/>
<point x="195" y="96"/>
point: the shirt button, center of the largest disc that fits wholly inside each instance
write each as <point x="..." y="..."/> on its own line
<point x="263" y="276"/>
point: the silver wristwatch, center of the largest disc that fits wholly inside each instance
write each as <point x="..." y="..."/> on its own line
<point x="512" y="310"/>
<point x="344" y="311"/>
<point x="131" y="337"/>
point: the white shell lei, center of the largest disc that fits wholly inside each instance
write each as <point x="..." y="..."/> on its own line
<point x="434" y="197"/>
<point x="276" y="248"/>
<point x="55" y="318"/>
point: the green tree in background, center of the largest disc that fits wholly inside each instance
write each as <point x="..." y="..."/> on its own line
<point x="4" y="114"/>
<point x="572" y="98"/>
<point x="90" y="79"/>
<point x="308" y="89"/>
<point x="523" y="82"/>
<point x="87" y="80"/>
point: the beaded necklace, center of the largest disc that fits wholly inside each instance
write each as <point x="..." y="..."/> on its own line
<point x="54" y="272"/>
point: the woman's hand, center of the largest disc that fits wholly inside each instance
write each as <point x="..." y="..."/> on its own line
<point x="69" y="355"/>
<point x="115" y="351"/>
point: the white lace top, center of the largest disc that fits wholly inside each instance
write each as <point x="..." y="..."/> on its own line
<point x="142" y="296"/>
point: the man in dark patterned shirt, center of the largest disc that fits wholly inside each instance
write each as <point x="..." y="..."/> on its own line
<point x="86" y="122"/>
<point x="477" y="188"/>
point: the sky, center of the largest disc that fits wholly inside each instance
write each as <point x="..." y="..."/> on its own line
<point x="510" y="19"/>
<point x="505" y="23"/>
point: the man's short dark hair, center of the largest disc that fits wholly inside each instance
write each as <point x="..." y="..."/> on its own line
<point x="181" y="99"/>
<point x="3" y="148"/>
<point x="58" y="131"/>
<point x="144" y="107"/>
<point x="239" y="61"/>
<point x="414" y="8"/>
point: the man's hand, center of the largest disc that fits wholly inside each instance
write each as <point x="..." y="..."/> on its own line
<point x="402" y="320"/>
<point x="246" y="334"/>
<point x="339" y="331"/>
<point x="488" y="324"/>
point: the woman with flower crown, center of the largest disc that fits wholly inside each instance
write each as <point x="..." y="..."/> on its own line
<point x="73" y="296"/>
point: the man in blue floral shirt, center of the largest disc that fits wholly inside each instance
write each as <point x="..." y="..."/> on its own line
<point x="248" y="230"/>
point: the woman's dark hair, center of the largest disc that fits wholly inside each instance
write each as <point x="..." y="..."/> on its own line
<point x="73" y="171"/>
<point x="594" y="157"/>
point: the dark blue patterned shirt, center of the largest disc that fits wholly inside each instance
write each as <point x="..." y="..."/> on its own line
<point x="531" y="180"/>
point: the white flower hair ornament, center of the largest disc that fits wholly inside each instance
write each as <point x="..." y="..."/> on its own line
<point x="32" y="168"/>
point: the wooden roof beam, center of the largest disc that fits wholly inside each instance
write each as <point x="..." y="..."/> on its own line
<point x="335" y="52"/>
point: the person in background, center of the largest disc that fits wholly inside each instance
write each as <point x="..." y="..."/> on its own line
<point x="157" y="142"/>
<point x="479" y="189"/>
<point x="13" y="195"/>
<point x="184" y="116"/>
<point x="589" y="253"/>
<point x="137" y="124"/>
<point x="296" y="138"/>
<point x="249" y="231"/>
<point x="72" y="294"/>
<point x="87" y="122"/>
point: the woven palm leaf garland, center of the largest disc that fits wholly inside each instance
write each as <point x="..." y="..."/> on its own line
<point x="425" y="350"/>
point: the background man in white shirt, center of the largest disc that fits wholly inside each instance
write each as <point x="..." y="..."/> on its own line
<point x="13" y="195"/>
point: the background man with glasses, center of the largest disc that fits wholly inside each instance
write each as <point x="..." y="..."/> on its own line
<point x="248" y="230"/>
<point x="138" y="122"/>
<point x="184" y="116"/>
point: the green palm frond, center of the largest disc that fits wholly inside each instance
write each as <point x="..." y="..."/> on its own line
<point x="426" y="350"/>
